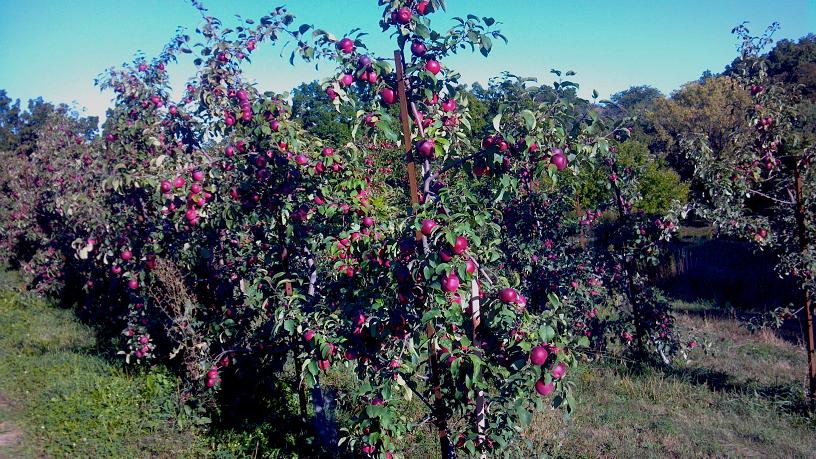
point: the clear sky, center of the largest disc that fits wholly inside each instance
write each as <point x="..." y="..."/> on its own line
<point x="55" y="48"/>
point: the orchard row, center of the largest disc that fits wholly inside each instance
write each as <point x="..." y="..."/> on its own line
<point x="218" y="233"/>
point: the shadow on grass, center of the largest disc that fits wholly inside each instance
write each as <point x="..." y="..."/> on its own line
<point x="785" y="396"/>
<point x="791" y="331"/>
<point x="788" y="398"/>
<point x="261" y="413"/>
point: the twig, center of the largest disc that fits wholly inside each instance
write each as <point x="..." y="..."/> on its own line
<point x="779" y="201"/>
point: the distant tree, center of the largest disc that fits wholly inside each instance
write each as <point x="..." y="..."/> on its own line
<point x="19" y="129"/>
<point x="478" y="110"/>
<point x="9" y="121"/>
<point x="705" y="76"/>
<point x="657" y="190"/>
<point x="636" y="97"/>
<point x="659" y="186"/>
<point x="795" y="62"/>
<point x="319" y="116"/>
<point x="508" y="91"/>
<point x="713" y="109"/>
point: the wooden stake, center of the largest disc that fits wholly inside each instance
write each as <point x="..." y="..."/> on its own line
<point x="476" y="320"/>
<point x="440" y="418"/>
<point x="803" y="242"/>
<point x="407" y="146"/>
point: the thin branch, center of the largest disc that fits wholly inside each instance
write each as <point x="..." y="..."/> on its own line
<point x="778" y="201"/>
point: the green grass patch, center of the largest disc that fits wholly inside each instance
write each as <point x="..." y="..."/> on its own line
<point x="743" y="396"/>
<point x="70" y="403"/>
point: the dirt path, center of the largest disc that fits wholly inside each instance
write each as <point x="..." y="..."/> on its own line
<point x="10" y="435"/>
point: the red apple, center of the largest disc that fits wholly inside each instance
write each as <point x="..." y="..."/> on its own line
<point x="470" y="266"/>
<point x="559" y="160"/>
<point x="364" y="61"/>
<point x="428" y="226"/>
<point x="544" y="389"/>
<point x="426" y="148"/>
<point x="388" y="96"/>
<point x="450" y="283"/>
<point x="433" y="66"/>
<point x="559" y="371"/>
<point x="538" y="355"/>
<point x="508" y="295"/>
<point x="404" y="15"/>
<point x="418" y="48"/>
<point x="346" y="45"/>
<point x="346" y="80"/>
<point x="460" y="245"/>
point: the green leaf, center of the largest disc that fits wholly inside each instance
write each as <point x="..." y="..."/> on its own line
<point x="524" y="416"/>
<point x="529" y="119"/>
<point x="387" y="132"/>
<point x="487" y="45"/>
<point x="546" y="333"/>
<point x="497" y="122"/>
<point x="422" y="31"/>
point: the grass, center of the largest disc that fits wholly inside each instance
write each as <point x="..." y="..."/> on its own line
<point x="691" y="232"/>
<point x="739" y="395"/>
<point x="62" y="400"/>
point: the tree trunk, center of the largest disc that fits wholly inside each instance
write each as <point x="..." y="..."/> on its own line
<point x="630" y="269"/>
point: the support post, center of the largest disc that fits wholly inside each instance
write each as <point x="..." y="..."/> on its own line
<point x="803" y="242"/>
<point x="439" y="416"/>
<point x="476" y="320"/>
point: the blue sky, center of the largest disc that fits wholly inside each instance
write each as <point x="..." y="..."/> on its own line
<point x="55" y="48"/>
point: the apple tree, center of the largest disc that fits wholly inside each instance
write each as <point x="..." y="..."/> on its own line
<point x="763" y="191"/>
